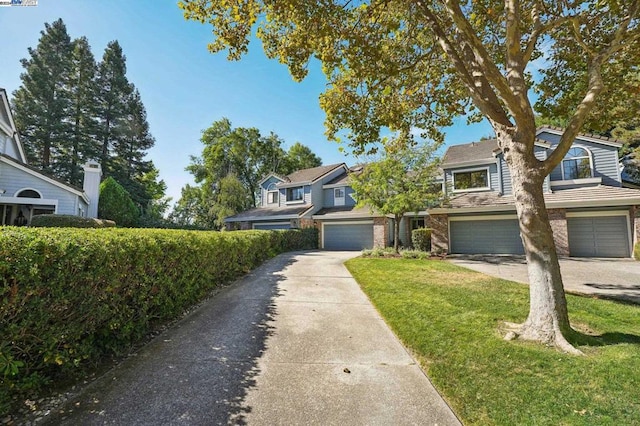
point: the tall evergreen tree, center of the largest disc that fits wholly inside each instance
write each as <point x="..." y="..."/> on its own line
<point x="41" y="104"/>
<point x="128" y="164"/>
<point x="113" y="94"/>
<point x="82" y="143"/>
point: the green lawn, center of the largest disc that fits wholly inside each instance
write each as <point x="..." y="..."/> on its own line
<point x="451" y="318"/>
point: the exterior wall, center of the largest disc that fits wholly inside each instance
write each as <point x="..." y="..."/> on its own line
<point x="13" y="179"/>
<point x="439" y="233"/>
<point x="332" y="175"/>
<point x="380" y="232"/>
<point x="245" y="226"/>
<point x="558" y="221"/>
<point x="328" y="200"/>
<point x="507" y="187"/>
<point x="605" y="159"/>
<point x="634" y="218"/>
<point x="263" y="192"/>
<point x="307" y="223"/>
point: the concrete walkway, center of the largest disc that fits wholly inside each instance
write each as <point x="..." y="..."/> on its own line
<point x="606" y="278"/>
<point x="294" y="343"/>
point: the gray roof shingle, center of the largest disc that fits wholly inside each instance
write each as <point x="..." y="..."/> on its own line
<point x="310" y="175"/>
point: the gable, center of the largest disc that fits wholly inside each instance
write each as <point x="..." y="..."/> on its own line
<point x="269" y="181"/>
<point x="11" y="145"/>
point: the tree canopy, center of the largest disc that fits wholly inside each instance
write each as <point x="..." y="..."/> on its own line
<point x="406" y="65"/>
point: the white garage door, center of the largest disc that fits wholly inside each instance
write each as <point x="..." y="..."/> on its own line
<point x="491" y="236"/>
<point x="600" y="236"/>
<point x="348" y="236"/>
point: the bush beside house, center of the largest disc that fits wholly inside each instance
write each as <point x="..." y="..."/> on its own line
<point x="116" y="204"/>
<point x="72" y="296"/>
<point x="636" y="251"/>
<point x="421" y="239"/>
<point x="69" y="221"/>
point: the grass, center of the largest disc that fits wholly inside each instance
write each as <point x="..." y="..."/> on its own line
<point x="451" y="319"/>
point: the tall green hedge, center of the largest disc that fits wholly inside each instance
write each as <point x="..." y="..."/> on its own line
<point x="636" y="251"/>
<point x="421" y="239"/>
<point x="69" y="297"/>
<point x="70" y="221"/>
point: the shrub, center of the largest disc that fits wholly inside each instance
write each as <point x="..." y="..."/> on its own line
<point x="68" y="221"/>
<point x="69" y="297"/>
<point x="421" y="239"/>
<point x="116" y="204"/>
<point x="414" y="254"/>
<point x="636" y="252"/>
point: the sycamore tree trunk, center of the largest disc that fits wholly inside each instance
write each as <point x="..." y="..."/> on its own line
<point x="396" y="233"/>
<point x="548" y="320"/>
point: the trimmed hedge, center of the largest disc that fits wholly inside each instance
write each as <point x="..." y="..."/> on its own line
<point x="69" y="297"/>
<point x="421" y="239"/>
<point x="68" y="221"/>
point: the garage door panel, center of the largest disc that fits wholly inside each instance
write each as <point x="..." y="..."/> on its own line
<point x="606" y="236"/>
<point x="271" y="226"/>
<point x="355" y="236"/>
<point x="486" y="237"/>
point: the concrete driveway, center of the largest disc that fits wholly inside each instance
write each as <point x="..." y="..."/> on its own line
<point x="606" y="278"/>
<point x="295" y="342"/>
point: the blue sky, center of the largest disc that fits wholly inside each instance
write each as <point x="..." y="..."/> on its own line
<point x="184" y="87"/>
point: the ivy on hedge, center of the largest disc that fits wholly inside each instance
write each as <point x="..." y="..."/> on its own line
<point x="69" y="297"/>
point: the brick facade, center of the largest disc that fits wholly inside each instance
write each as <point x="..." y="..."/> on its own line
<point x="380" y="232"/>
<point x="307" y="223"/>
<point x="439" y="233"/>
<point x="558" y="221"/>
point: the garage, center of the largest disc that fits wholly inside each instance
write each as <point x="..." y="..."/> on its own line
<point x="598" y="236"/>
<point x="485" y="236"/>
<point x="272" y="225"/>
<point x="347" y="235"/>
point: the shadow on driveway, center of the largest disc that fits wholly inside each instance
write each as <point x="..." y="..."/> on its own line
<point x="197" y="372"/>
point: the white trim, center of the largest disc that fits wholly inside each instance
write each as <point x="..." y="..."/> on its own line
<point x="589" y="156"/>
<point x="294" y="184"/>
<point x="269" y="176"/>
<point x="13" y="130"/>
<point x="583" y="181"/>
<point x="599" y="213"/>
<point x="469" y="170"/>
<point x="30" y="201"/>
<point x="45" y="178"/>
<point x="470" y="163"/>
<point x="487" y="217"/>
<point x="504" y="208"/>
<point x="334" y="185"/>
<point x="353" y="222"/>
<point x="257" y="219"/>
<point x="581" y="137"/>
<point x="343" y="216"/>
<point x="339" y="201"/>
<point x="27" y="189"/>
<point x="253" y="225"/>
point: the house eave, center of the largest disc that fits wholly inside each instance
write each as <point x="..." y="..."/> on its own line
<point x="580" y="136"/>
<point x="263" y="218"/>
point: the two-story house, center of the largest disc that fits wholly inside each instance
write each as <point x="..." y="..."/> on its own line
<point x="319" y="197"/>
<point x="26" y="192"/>
<point x="591" y="213"/>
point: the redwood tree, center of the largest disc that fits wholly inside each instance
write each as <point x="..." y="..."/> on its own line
<point x="401" y="65"/>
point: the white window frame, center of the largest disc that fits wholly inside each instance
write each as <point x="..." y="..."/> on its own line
<point x="471" y="170"/>
<point x="27" y="189"/>
<point x="566" y="158"/>
<point x="297" y="201"/>
<point x="339" y="200"/>
<point x="271" y="189"/>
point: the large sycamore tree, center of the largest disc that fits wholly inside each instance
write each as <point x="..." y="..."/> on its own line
<point x="404" y="64"/>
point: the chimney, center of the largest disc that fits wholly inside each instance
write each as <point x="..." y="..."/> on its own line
<point x="91" y="186"/>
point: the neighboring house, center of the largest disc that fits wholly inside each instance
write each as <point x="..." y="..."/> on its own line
<point x="318" y="197"/>
<point x="591" y="213"/>
<point x="26" y="192"/>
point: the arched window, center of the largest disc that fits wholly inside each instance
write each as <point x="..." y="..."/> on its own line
<point x="577" y="164"/>
<point x="272" y="194"/>
<point x="28" y="193"/>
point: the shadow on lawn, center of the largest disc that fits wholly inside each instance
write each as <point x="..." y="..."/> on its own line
<point x="605" y="339"/>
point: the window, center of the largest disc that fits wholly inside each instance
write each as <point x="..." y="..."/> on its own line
<point x="29" y="193"/>
<point x="272" y="194"/>
<point x="295" y="194"/>
<point x="338" y="196"/>
<point x="471" y="180"/>
<point x="417" y="222"/>
<point x="576" y="164"/>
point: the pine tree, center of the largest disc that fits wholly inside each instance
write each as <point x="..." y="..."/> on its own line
<point x="113" y="93"/>
<point x="41" y="104"/>
<point x="82" y="143"/>
<point x="129" y="150"/>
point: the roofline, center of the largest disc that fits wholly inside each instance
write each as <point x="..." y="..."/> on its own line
<point x="608" y="202"/>
<point x="277" y="217"/>
<point x="271" y="174"/>
<point x="480" y="162"/>
<point x="309" y="182"/>
<point x="52" y="181"/>
<point x="587" y="137"/>
<point x="15" y="136"/>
